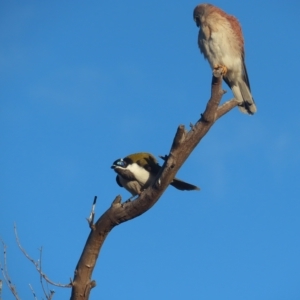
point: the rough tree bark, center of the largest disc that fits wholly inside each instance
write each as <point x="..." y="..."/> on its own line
<point x="183" y="144"/>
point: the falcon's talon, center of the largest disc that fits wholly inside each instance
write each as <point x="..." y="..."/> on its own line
<point x="221" y="68"/>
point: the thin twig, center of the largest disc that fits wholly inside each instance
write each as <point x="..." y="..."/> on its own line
<point x="33" y="292"/>
<point x="6" y="276"/>
<point x="0" y="289"/>
<point x="36" y="264"/>
<point x="90" y="219"/>
<point x="51" y="294"/>
<point x="47" y="294"/>
<point x="41" y="278"/>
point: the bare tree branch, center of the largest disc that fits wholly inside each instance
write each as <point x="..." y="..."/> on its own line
<point x="51" y="294"/>
<point x="1" y="289"/>
<point x="226" y="107"/>
<point x="183" y="144"/>
<point x="6" y="276"/>
<point x="41" y="277"/>
<point x="48" y="294"/>
<point x="33" y="292"/>
<point x="37" y="264"/>
<point x="90" y="219"/>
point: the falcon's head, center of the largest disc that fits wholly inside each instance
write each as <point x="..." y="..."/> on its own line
<point x="200" y="12"/>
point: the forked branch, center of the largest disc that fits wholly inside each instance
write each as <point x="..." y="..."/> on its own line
<point x="38" y="265"/>
<point x="183" y="144"/>
<point x="6" y="276"/>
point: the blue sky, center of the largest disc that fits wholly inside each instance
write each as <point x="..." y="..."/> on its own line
<point x="85" y="83"/>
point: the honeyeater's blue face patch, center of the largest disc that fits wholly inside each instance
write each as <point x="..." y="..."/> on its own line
<point x="119" y="163"/>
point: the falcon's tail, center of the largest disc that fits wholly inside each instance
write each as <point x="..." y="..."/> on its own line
<point x="243" y="95"/>
<point x="183" y="186"/>
<point x="248" y="105"/>
<point x="242" y="92"/>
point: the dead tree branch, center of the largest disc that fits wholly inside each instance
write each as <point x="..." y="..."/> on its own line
<point x="37" y="264"/>
<point x="48" y="294"/>
<point x="90" y="219"/>
<point x="6" y="277"/>
<point x="0" y="289"/>
<point x="183" y="144"/>
<point x="33" y="292"/>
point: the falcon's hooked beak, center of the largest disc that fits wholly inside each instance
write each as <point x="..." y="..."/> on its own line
<point x="198" y="14"/>
<point x="196" y="19"/>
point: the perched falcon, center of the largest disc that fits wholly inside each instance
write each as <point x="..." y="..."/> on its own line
<point x="221" y="41"/>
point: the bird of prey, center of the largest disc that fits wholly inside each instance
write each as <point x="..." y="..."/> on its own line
<point x="138" y="171"/>
<point x="221" y="41"/>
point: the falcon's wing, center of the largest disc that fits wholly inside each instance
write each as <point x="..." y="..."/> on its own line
<point x="245" y="73"/>
<point x="201" y="41"/>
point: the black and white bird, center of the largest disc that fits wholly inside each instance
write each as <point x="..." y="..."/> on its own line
<point x="137" y="171"/>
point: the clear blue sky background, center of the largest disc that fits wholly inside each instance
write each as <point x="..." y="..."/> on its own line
<point x="83" y="83"/>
